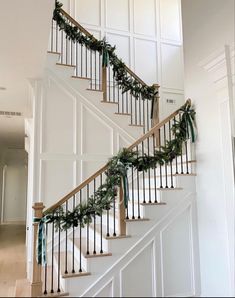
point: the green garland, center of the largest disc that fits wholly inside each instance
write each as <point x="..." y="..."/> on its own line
<point x="123" y="79"/>
<point x="103" y="198"/>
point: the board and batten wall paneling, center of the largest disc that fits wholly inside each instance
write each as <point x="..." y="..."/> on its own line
<point x="148" y="36"/>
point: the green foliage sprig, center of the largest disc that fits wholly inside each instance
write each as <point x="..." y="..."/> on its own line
<point x="104" y="196"/>
<point x="121" y="75"/>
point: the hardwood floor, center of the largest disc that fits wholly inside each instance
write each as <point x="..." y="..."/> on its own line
<point x="12" y="257"/>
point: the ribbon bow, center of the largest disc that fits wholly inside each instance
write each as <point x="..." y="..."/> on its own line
<point x="125" y="183"/>
<point x="41" y="240"/>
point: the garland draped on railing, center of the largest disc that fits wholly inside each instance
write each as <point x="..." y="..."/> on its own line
<point x="123" y="79"/>
<point x="116" y="173"/>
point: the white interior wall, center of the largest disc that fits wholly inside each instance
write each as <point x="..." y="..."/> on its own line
<point x="207" y="27"/>
<point x="148" y="37"/>
<point x="14" y="185"/>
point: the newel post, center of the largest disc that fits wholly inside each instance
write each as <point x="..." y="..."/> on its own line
<point x="155" y="116"/>
<point x="36" y="282"/>
<point x="155" y="119"/>
<point x="122" y="212"/>
<point x="104" y="82"/>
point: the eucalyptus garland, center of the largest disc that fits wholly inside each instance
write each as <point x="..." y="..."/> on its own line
<point x="123" y="79"/>
<point x="116" y="172"/>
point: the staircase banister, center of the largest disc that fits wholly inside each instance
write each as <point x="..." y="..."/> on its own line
<point x="104" y="168"/>
<point x="158" y="126"/>
<point x="83" y="30"/>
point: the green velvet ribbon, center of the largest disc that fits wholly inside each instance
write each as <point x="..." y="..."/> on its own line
<point x="41" y="240"/>
<point x="125" y="189"/>
<point x="105" y="58"/>
<point x="190" y="124"/>
<point x="152" y="106"/>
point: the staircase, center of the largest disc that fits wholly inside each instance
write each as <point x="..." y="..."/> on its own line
<point x="135" y="247"/>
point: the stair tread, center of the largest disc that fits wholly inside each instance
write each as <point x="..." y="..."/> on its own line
<point x="64" y="64"/>
<point x="70" y="266"/>
<point x="91" y="248"/>
<point x="80" y="78"/>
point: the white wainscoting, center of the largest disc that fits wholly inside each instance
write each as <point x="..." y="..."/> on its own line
<point x="148" y="36"/>
<point x="73" y="139"/>
<point x="161" y="264"/>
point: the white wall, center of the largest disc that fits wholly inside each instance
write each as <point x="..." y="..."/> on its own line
<point x="14" y="185"/>
<point x="207" y="27"/>
<point x="148" y="37"/>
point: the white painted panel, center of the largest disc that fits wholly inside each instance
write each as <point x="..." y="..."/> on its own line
<point x="66" y="5"/>
<point x="116" y="13"/>
<point x="176" y="256"/>
<point x="170" y="20"/>
<point x="137" y="276"/>
<point x="144" y="17"/>
<point x="168" y="108"/>
<point x="146" y="60"/>
<point x="58" y="120"/>
<point x="172" y="66"/>
<point x="123" y="143"/>
<point x="106" y="291"/>
<point x="88" y="12"/>
<point x="97" y="136"/>
<point x="122" y="44"/>
<point x="57" y="179"/>
<point x="15" y="193"/>
<point x="90" y="167"/>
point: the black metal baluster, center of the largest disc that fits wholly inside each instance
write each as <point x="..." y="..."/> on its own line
<point x="91" y="68"/>
<point x="66" y="243"/>
<point x="176" y="160"/>
<point x="181" y="154"/>
<point x="144" y="201"/>
<point x="166" y="170"/>
<point x="149" y="174"/>
<point x="136" y="112"/>
<point x="58" y="280"/>
<point x="108" y="234"/>
<point x="114" y="216"/>
<point x="186" y="154"/>
<point x="88" y="226"/>
<point x="131" y="109"/>
<point x="144" y="121"/>
<point x="95" y="70"/>
<point x="76" y="59"/>
<point x="71" y="52"/>
<point x="86" y="62"/>
<point x="114" y="89"/>
<point x="109" y="74"/>
<point x="159" y="135"/>
<point x="94" y="251"/>
<point x="73" y="261"/>
<point x="45" y="271"/>
<point x="140" y="118"/>
<point x="62" y="47"/>
<point x="52" y="37"/>
<point x="138" y="184"/>
<point x="122" y="102"/>
<point x="81" y="62"/>
<point x="154" y="171"/>
<point x="80" y="238"/>
<point x="148" y="118"/>
<point x="133" y="198"/>
<point x="66" y="50"/>
<point x="171" y="168"/>
<point x="101" y="224"/>
<point x="52" y="257"/>
<point x="56" y="39"/>
<point x="118" y="99"/>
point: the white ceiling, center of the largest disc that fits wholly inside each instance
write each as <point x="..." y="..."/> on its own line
<point x="24" y="32"/>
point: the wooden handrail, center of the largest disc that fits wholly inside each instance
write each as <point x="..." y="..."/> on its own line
<point x="87" y="33"/>
<point x="104" y="168"/>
